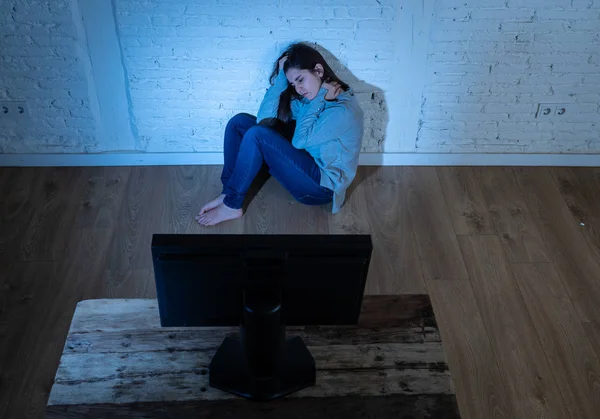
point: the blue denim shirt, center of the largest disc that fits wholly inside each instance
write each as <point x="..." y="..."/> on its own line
<point x="330" y="131"/>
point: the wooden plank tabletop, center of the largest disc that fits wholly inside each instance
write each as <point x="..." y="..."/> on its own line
<point x="119" y="362"/>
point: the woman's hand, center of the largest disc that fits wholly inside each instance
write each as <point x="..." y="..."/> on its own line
<point x="281" y="61"/>
<point x="333" y="90"/>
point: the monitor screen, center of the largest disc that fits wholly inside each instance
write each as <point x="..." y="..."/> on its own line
<point x="200" y="279"/>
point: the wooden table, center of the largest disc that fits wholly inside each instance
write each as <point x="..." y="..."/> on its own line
<point x="118" y="362"/>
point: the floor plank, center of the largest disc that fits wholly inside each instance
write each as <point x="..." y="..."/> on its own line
<point x="396" y="268"/>
<point x="576" y="367"/>
<point x="436" y="240"/>
<point x="581" y="191"/>
<point x="353" y="218"/>
<point x="592" y="333"/>
<point x="511" y="216"/>
<point x="139" y="218"/>
<point x="480" y="390"/>
<point x="29" y="359"/>
<point x="56" y="203"/>
<point x="577" y="264"/>
<point x="288" y="217"/>
<point x="102" y="196"/>
<point x="17" y="206"/>
<point x="533" y="390"/>
<point x="465" y="200"/>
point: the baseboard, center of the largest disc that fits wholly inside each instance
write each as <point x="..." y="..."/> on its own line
<point x="366" y="159"/>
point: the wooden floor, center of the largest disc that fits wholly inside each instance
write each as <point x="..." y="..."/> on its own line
<point x="510" y="257"/>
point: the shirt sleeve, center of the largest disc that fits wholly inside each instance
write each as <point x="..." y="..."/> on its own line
<point x="270" y="103"/>
<point x="317" y="126"/>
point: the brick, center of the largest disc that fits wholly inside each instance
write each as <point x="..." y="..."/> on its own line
<point x="534" y="27"/>
<point x="209" y="21"/>
<point x="173" y="84"/>
<point x="453" y="46"/>
<point x="567" y="14"/>
<point x="517" y="37"/>
<point x="284" y="4"/>
<point x="26" y="51"/>
<point x="510" y="108"/>
<point x="28" y="91"/>
<point x="445" y="88"/>
<point x="63" y="83"/>
<point x="581" y="25"/>
<point x="384" y="25"/>
<point x="80" y="113"/>
<point x="142" y="52"/>
<point x="172" y="103"/>
<point x="479" y="3"/>
<point x="15" y="41"/>
<point x="371" y="12"/>
<point x="513" y="58"/>
<point x="166" y="21"/>
<point x="443" y="25"/>
<point x="186" y="63"/>
<point x="587" y="98"/>
<point x="341" y="24"/>
<point x="451" y="36"/>
<point x="359" y="35"/>
<point x="462" y="69"/>
<point x="307" y="23"/>
<point x="80" y="122"/>
<point x="340" y="12"/>
<point x="155" y="94"/>
<point x="570" y="89"/>
<point x="502" y="98"/>
<point x="560" y="58"/>
<point x="212" y="32"/>
<point x="553" y="79"/>
<point x="55" y="41"/>
<point x="560" y="38"/>
<point x="504" y="14"/>
<point x="139" y="20"/>
<point x="200" y="9"/>
<point x="575" y="68"/>
<point x="456" y="14"/>
<point x="450" y="57"/>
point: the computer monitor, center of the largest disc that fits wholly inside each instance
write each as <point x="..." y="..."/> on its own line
<point x="261" y="283"/>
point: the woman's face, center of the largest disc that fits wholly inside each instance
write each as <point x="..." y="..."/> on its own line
<point x="307" y="83"/>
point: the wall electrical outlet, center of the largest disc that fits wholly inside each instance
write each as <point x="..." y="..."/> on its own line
<point x="551" y="110"/>
<point x="13" y="111"/>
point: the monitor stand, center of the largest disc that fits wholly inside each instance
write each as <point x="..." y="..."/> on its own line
<point x="262" y="365"/>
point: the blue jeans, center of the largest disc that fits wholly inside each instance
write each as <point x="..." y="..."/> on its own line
<point x="249" y="146"/>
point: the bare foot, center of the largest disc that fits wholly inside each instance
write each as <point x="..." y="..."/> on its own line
<point x="210" y="205"/>
<point x="219" y="214"/>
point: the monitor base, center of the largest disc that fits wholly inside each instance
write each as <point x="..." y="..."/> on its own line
<point x="229" y="371"/>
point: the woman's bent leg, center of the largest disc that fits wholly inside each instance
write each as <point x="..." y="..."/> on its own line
<point x="294" y="168"/>
<point x="234" y="133"/>
<point x="237" y="126"/>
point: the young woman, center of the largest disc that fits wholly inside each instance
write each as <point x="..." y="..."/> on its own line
<point x="319" y="163"/>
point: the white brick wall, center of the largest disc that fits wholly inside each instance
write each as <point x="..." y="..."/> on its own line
<point x="492" y="61"/>
<point x="39" y="64"/>
<point x="192" y="65"/>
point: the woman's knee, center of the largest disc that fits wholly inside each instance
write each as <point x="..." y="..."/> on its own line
<point x="241" y="119"/>
<point x="258" y="130"/>
<point x="262" y="134"/>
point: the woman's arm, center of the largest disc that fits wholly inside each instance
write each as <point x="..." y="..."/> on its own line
<point x="270" y="103"/>
<point x="316" y="126"/>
